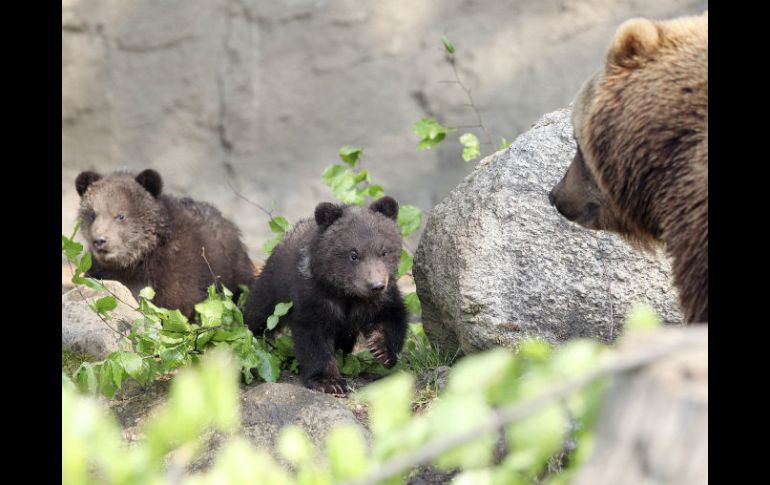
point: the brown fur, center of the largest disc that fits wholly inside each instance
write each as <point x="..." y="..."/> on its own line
<point x="158" y="240"/>
<point x="641" y="170"/>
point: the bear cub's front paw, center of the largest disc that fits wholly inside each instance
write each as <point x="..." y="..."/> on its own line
<point x="330" y="385"/>
<point x="377" y="346"/>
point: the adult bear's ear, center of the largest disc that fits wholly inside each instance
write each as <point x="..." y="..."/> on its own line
<point x="151" y="181"/>
<point x="84" y="180"/>
<point x="386" y="206"/>
<point x="635" y="41"/>
<point x="326" y="213"/>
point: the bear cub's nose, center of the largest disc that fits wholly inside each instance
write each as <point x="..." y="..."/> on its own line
<point x="378" y="286"/>
<point x="99" y="242"/>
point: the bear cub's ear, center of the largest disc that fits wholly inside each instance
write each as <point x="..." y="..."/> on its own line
<point x="151" y="181"/>
<point x="326" y="213"/>
<point x="634" y="40"/>
<point x="84" y="180"/>
<point x="386" y="206"/>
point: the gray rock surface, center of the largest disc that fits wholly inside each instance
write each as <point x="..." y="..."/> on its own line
<point x="496" y="262"/>
<point x="269" y="91"/>
<point x="83" y="331"/>
<point x="268" y="407"/>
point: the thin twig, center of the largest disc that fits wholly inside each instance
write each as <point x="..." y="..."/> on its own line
<point x="203" y="255"/>
<point x="268" y="212"/>
<point x="472" y="104"/>
<point x="521" y="410"/>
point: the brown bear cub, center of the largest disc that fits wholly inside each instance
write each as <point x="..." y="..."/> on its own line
<point x="339" y="271"/>
<point x="141" y="237"/>
<point x="641" y="168"/>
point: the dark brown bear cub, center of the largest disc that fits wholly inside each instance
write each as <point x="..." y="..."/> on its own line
<point x="339" y="271"/>
<point x="141" y="237"/>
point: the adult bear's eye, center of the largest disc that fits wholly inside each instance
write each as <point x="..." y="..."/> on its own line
<point x="119" y="217"/>
<point x="385" y="253"/>
<point x="353" y="256"/>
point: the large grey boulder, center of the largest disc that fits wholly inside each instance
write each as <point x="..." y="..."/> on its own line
<point x="83" y="331"/>
<point x="496" y="262"/>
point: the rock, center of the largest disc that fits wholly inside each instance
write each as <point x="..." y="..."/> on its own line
<point x="268" y="407"/>
<point x="497" y="263"/>
<point x="83" y="331"/>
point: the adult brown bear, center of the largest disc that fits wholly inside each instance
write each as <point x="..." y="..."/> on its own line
<point x="641" y="168"/>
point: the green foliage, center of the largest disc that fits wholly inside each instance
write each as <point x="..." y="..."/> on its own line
<point x="641" y="317"/>
<point x="280" y="310"/>
<point x="280" y="226"/>
<point x="431" y="132"/>
<point x="420" y="354"/>
<point x="413" y="303"/>
<point x="450" y="48"/>
<point x="472" y="147"/>
<point x="93" y="451"/>
<point x="409" y="219"/>
<point x="481" y="392"/>
<point x="163" y="340"/>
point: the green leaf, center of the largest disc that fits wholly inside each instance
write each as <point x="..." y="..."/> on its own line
<point x="243" y="296"/>
<point x="105" y="304"/>
<point x="295" y="445"/>
<point x="282" y="309"/>
<point x="389" y="402"/>
<point x="176" y="322"/>
<point x="346" y="449"/>
<point x="172" y="358"/>
<point x="404" y="264"/>
<point x="375" y="191"/>
<point x="504" y="143"/>
<point x="279" y="224"/>
<point x="110" y="378"/>
<point x="131" y="364"/>
<point x="210" y="311"/>
<point x="147" y="293"/>
<point x="85" y="263"/>
<point x="272" y="321"/>
<point x="269" y="366"/>
<point x="472" y="147"/>
<point x="71" y="249"/>
<point x="272" y="243"/>
<point x="409" y="219"/>
<point x="332" y="173"/>
<point x="640" y="318"/>
<point x="85" y="377"/>
<point x="430" y="131"/>
<point x="350" y="155"/>
<point x="447" y="44"/>
<point x="413" y="304"/>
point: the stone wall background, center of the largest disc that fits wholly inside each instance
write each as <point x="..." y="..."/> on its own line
<point x="269" y="90"/>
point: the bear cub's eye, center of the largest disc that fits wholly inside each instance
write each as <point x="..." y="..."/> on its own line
<point x="119" y="217"/>
<point x="353" y="256"/>
<point x="385" y="253"/>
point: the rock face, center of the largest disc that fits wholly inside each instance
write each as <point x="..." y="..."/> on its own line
<point x="496" y="262"/>
<point x="269" y="91"/>
<point x="268" y="407"/>
<point x="83" y="331"/>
